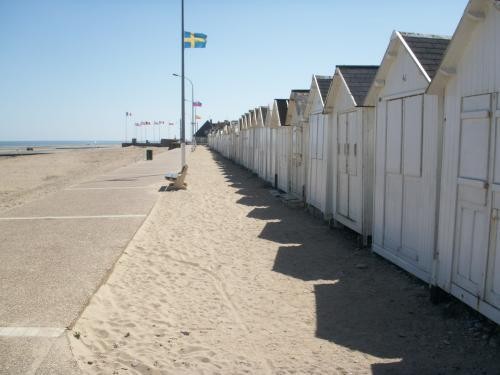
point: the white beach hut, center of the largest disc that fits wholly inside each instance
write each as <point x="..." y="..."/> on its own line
<point x="283" y="145"/>
<point x="295" y="119"/>
<point x="407" y="149"/>
<point x="241" y="140"/>
<point x="352" y="128"/>
<point x="278" y="110"/>
<point x="256" y="140"/>
<point x="270" y="147"/>
<point x="261" y="113"/>
<point x="318" y="149"/>
<point x="251" y="137"/>
<point x="247" y="142"/>
<point x="469" y="226"/>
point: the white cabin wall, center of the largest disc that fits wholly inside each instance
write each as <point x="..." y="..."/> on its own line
<point x="409" y="241"/>
<point x="403" y="76"/>
<point x="477" y="70"/>
<point x="342" y="102"/>
<point x="332" y="162"/>
<point x="379" y="171"/>
<point x="368" y="166"/>
<point x="477" y="73"/>
<point x="318" y="146"/>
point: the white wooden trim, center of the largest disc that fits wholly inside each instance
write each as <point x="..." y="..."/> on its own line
<point x="479" y="184"/>
<point x="475" y="302"/>
<point x="448" y="71"/>
<point x="399" y="261"/>
<point x="474" y="114"/>
<point x="476" y="16"/>
<point x="402" y="39"/>
<point x="404" y="94"/>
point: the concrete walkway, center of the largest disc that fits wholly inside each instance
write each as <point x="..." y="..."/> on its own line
<point x="55" y="252"/>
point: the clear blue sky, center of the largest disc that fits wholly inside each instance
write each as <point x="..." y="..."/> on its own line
<point x="70" y="69"/>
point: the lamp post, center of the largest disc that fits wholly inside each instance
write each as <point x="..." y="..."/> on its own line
<point x="127" y="114"/>
<point x="192" y="97"/>
<point x="183" y="104"/>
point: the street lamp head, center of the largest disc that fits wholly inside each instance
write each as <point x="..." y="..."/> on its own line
<point x="175" y="74"/>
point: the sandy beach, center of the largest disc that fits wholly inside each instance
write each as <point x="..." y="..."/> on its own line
<point x="59" y="241"/>
<point x="30" y="177"/>
<point x="224" y="279"/>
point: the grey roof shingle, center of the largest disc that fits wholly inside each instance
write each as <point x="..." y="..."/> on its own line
<point x="429" y="49"/>
<point x="204" y="129"/>
<point x="282" y="109"/>
<point x="359" y="79"/>
<point x="324" y="86"/>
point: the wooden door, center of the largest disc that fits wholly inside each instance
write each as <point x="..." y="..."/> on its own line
<point x="407" y="208"/>
<point x="476" y="258"/>
<point x="473" y="201"/>
<point x="493" y="270"/>
<point x="354" y="180"/>
<point x="293" y="161"/>
<point x="342" y="175"/>
<point x="393" y="177"/>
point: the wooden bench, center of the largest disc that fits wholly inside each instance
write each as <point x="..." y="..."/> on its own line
<point x="177" y="179"/>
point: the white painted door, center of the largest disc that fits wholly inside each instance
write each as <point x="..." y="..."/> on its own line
<point x="406" y="209"/>
<point x="349" y="200"/>
<point x="343" y="176"/>
<point x="296" y="161"/>
<point x="476" y="261"/>
<point x="493" y="270"/>
<point x="283" y="155"/>
<point x="316" y="172"/>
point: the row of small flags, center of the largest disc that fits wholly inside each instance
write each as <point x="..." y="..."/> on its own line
<point x="144" y="123"/>
<point x="191" y="40"/>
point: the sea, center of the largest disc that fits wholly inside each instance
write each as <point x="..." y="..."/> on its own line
<point x="56" y="144"/>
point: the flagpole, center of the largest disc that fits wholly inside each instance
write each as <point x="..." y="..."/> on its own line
<point x="183" y="115"/>
<point x="126" y="118"/>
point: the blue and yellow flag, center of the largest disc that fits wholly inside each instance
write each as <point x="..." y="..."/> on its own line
<point x="194" y="40"/>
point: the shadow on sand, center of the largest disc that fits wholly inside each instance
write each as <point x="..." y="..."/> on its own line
<point x="362" y="302"/>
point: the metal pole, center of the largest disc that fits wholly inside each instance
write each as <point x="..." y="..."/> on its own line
<point x="195" y="125"/>
<point x="126" y="119"/>
<point x="183" y="118"/>
<point x="192" y="109"/>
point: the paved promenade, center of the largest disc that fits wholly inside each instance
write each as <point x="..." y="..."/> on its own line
<point x="55" y="252"/>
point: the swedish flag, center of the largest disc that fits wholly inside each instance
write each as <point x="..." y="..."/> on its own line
<point x="194" y="40"/>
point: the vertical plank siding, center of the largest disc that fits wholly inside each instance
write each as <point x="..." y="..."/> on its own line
<point x="416" y="167"/>
<point x="467" y="246"/>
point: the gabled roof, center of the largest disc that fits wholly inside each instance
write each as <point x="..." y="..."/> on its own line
<point x="204" y="129"/>
<point x="429" y="49"/>
<point x="323" y="85"/>
<point x="282" y="105"/>
<point x="296" y="104"/>
<point x="358" y="79"/>
<point x="318" y="91"/>
<point x="474" y="12"/>
<point x="264" y="110"/>
<point x="426" y="51"/>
